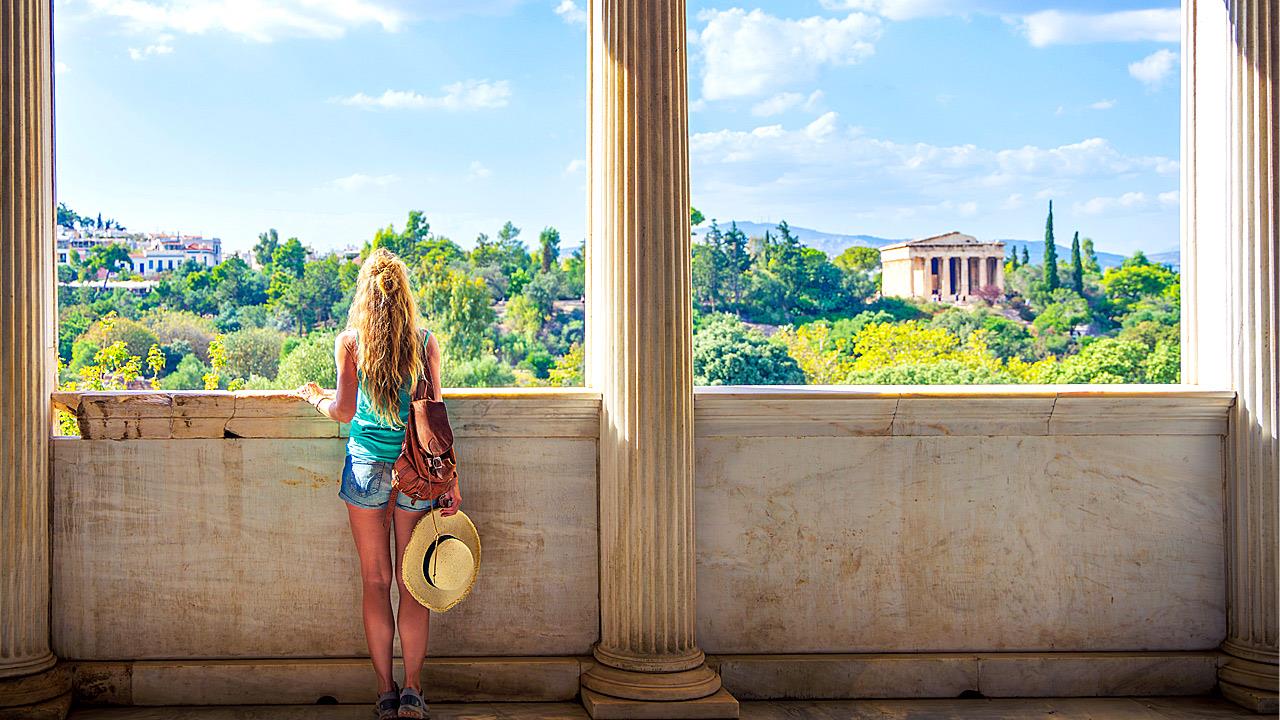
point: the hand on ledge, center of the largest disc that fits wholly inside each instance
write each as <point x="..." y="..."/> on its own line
<point x="311" y="392"/>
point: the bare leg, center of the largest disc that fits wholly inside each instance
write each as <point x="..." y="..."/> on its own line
<point x="414" y="620"/>
<point x="375" y="571"/>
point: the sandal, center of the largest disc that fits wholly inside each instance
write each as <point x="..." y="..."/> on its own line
<point x="412" y="705"/>
<point x="388" y="705"/>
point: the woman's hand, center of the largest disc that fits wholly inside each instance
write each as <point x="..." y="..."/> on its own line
<point x="451" y="501"/>
<point x="311" y="392"/>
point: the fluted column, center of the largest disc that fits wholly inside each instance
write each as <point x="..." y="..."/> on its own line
<point x="1249" y="676"/>
<point x="640" y="358"/>
<point x="31" y="686"/>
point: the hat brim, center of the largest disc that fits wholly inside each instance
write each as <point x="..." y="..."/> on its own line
<point x="424" y="533"/>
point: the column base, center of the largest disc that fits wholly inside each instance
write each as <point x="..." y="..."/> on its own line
<point x="43" y="696"/>
<point x="1249" y="684"/>
<point x="719" y="704"/>
<point x="691" y="684"/>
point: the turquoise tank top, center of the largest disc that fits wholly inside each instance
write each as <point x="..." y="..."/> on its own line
<point x="370" y="440"/>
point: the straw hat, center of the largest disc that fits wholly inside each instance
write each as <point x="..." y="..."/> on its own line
<point x="442" y="560"/>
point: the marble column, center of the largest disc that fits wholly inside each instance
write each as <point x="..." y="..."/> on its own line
<point x="640" y="359"/>
<point x="32" y="685"/>
<point x="983" y="279"/>
<point x="1249" y="675"/>
<point x="964" y="289"/>
<point x="948" y="287"/>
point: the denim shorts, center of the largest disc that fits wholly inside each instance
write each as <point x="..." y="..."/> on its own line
<point x="368" y="485"/>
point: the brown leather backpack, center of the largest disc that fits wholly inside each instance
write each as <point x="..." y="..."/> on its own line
<point x="427" y="467"/>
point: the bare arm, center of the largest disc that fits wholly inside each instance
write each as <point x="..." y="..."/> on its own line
<point x="433" y="362"/>
<point x="342" y="407"/>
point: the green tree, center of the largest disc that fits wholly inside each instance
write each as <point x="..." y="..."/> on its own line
<point x="459" y="308"/>
<point x="254" y="351"/>
<point x="1077" y="266"/>
<point x="709" y="269"/>
<point x="1065" y="311"/>
<point x="189" y="375"/>
<point x="235" y="284"/>
<point x="727" y="352"/>
<point x="290" y="257"/>
<point x="696" y="217"/>
<point x="1051" y="281"/>
<point x="172" y="326"/>
<point x="309" y="300"/>
<point x="549" y="245"/>
<point x="738" y="260"/>
<point x="1137" y="279"/>
<point x="1090" y="257"/>
<point x="265" y="249"/>
<point x="108" y="259"/>
<point x="1026" y="257"/>
<point x="311" y="359"/>
<point x="136" y="337"/>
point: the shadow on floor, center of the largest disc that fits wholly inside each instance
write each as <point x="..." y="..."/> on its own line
<point x="1161" y="708"/>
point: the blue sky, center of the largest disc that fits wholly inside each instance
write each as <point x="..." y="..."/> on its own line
<point x="329" y="118"/>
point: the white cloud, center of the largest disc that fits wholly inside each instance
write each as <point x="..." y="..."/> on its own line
<point x="899" y="9"/>
<point x="747" y="54"/>
<point x="1155" y="68"/>
<point x="1053" y="27"/>
<point x="260" y="20"/>
<point x="1128" y="201"/>
<point x="827" y="168"/>
<point x="1103" y="105"/>
<point x="477" y="171"/>
<point x="783" y="102"/>
<point x="61" y="68"/>
<point x="569" y="11"/>
<point x="1169" y="198"/>
<point x="360" y="181"/>
<point x="575" y="166"/>
<point x="162" y="46"/>
<point x="464" y="95"/>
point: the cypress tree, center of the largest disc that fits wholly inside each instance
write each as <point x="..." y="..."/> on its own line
<point x="1026" y="257"/>
<point x="1013" y="258"/>
<point x="1077" y="266"/>
<point x="1050" y="255"/>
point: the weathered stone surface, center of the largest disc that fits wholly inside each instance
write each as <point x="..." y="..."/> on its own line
<point x="103" y="683"/>
<point x="944" y="544"/>
<point x="299" y="682"/>
<point x="820" y="677"/>
<point x="241" y="548"/>
<point x="1097" y="674"/>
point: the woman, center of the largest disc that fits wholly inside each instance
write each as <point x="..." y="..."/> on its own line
<point x="380" y="357"/>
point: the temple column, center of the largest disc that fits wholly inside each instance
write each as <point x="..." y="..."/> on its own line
<point x="639" y="357"/>
<point x="983" y="280"/>
<point x="31" y="684"/>
<point x="1249" y="675"/>
<point x="964" y="277"/>
<point x="948" y="287"/>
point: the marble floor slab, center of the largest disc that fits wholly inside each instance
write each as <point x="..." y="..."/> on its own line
<point x="1162" y="708"/>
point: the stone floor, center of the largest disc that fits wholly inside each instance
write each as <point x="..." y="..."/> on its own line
<point x="1163" y="708"/>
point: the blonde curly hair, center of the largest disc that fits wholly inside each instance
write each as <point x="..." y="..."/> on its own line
<point x="389" y="351"/>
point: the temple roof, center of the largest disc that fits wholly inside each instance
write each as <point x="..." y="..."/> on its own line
<point x="951" y="239"/>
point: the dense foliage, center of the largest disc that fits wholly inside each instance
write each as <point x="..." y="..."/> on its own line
<point x="768" y="310"/>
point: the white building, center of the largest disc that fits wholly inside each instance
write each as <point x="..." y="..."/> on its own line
<point x="149" y="254"/>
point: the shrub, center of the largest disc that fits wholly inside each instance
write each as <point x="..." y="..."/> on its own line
<point x="136" y="337"/>
<point x="311" y="359"/>
<point x="174" y="325"/>
<point x="727" y="352"/>
<point x="255" y="351"/>
<point x="486" y="371"/>
<point x="189" y="375"/>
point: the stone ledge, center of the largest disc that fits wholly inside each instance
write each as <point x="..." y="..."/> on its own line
<point x="830" y="411"/>
<point x="937" y="675"/>
<point x="304" y="681"/>
<point x="526" y="412"/>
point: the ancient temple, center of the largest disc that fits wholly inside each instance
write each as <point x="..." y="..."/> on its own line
<point x="948" y="267"/>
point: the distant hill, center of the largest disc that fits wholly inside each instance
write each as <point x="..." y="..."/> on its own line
<point x="830" y="243"/>
<point x="835" y="243"/>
